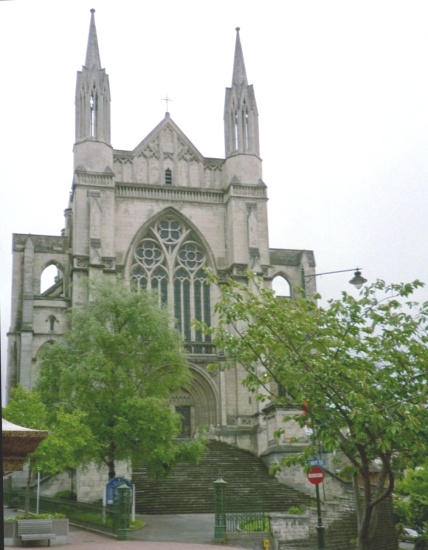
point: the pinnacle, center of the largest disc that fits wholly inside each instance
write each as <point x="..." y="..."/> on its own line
<point x="92" y="52"/>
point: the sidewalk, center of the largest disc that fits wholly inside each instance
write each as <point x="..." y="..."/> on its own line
<point x="187" y="528"/>
<point x="161" y="532"/>
<point x="85" y="540"/>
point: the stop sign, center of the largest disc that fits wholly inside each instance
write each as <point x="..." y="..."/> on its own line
<point x="316" y="475"/>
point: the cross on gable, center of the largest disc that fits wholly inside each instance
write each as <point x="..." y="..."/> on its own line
<point x="167" y="100"/>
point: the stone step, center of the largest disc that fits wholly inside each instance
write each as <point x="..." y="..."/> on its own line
<point x="190" y="489"/>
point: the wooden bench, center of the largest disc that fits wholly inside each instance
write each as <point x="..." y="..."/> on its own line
<point x="35" y="529"/>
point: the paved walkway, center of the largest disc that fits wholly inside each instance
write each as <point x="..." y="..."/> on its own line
<point x="161" y="532"/>
<point x="85" y="540"/>
<point x="197" y="528"/>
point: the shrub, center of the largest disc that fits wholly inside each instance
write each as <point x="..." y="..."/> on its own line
<point x="297" y="510"/>
<point x="255" y="525"/>
<point x="40" y="516"/>
<point x="66" y="494"/>
<point x="421" y="543"/>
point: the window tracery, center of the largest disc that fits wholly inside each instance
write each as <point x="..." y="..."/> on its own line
<point x="170" y="259"/>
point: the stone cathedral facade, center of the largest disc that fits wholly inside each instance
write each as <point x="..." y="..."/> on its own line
<point x="156" y="215"/>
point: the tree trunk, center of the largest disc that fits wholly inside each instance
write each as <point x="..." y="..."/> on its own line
<point x="363" y="540"/>
<point x="364" y="509"/>
<point x="111" y="469"/>
<point x="72" y="481"/>
<point x="110" y="460"/>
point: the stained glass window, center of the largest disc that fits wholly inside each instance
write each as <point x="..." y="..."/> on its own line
<point x="170" y="259"/>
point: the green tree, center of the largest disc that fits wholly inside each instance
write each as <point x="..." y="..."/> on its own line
<point x="68" y="443"/>
<point x="358" y="367"/>
<point x="412" y="498"/>
<point x="27" y="410"/>
<point x="118" y="364"/>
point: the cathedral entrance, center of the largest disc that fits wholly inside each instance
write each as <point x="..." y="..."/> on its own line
<point x="197" y="405"/>
<point x="185" y="413"/>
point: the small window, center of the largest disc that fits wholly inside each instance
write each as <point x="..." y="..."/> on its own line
<point x="52" y="320"/>
<point x="94" y="111"/>
<point x="50" y="277"/>
<point x="281" y="287"/>
<point x="168" y="177"/>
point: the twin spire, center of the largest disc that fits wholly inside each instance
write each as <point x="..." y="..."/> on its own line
<point x="92" y="95"/>
<point x="93" y="102"/>
<point x="241" y="125"/>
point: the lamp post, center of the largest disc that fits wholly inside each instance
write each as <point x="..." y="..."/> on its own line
<point x="316" y="475"/>
<point x="38" y="491"/>
<point x="357" y="280"/>
<point x="220" y="509"/>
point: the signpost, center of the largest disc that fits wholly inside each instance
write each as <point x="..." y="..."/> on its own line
<point x="111" y="489"/>
<point x="316" y="476"/>
<point x="317" y="462"/>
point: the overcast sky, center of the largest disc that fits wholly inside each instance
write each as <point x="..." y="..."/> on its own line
<point x="342" y="93"/>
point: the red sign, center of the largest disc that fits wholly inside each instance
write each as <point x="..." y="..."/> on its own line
<point x="316" y="475"/>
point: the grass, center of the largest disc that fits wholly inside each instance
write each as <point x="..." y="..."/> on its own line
<point x="137" y="524"/>
<point x="297" y="510"/>
<point x="255" y="525"/>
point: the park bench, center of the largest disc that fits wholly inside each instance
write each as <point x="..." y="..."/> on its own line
<point x="35" y="529"/>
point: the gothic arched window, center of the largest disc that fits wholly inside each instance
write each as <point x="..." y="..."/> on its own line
<point x="170" y="259"/>
<point x="51" y="281"/>
<point x="93" y="105"/>
<point x="168" y="177"/>
<point x="281" y="286"/>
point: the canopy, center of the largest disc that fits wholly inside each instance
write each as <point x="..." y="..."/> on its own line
<point x="18" y="442"/>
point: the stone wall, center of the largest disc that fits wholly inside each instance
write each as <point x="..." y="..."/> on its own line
<point x="340" y="528"/>
<point x="289" y="527"/>
<point x="91" y="481"/>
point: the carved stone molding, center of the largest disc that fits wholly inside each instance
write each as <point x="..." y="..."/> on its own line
<point x="108" y="262"/>
<point x="80" y="262"/>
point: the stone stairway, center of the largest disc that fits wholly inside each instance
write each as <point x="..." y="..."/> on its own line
<point x="190" y="489"/>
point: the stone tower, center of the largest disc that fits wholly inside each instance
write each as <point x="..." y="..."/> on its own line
<point x="156" y="215"/>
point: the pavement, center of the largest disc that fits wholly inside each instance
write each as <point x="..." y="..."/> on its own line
<point x="194" y="529"/>
<point x="161" y="532"/>
<point x="86" y="540"/>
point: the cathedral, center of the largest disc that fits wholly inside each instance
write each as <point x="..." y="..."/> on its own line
<point x="156" y="215"/>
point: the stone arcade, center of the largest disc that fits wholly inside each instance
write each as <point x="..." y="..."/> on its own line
<point x="156" y="215"/>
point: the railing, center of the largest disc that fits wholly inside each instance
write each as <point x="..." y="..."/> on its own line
<point x="200" y="348"/>
<point x="92" y="516"/>
<point x="247" y="521"/>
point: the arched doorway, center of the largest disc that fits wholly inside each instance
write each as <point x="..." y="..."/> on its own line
<point x="198" y="404"/>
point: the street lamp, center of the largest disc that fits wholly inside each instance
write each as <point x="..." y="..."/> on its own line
<point x="357" y="280"/>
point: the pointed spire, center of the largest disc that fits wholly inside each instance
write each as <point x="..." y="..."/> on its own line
<point x="92" y="94"/>
<point x="239" y="74"/>
<point x="240" y="110"/>
<point x="92" y="53"/>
